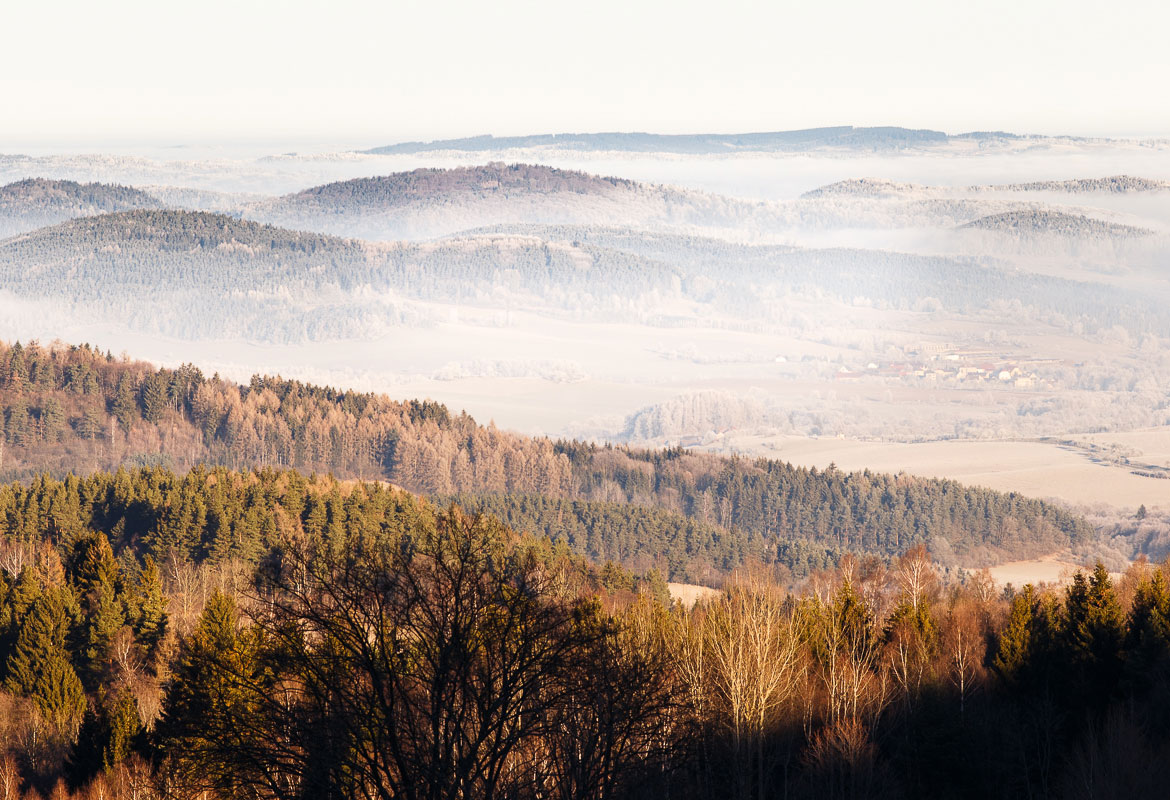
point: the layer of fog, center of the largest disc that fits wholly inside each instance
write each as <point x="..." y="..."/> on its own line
<point x="748" y="175"/>
<point x="708" y="383"/>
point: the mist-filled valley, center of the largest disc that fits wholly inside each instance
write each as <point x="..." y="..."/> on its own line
<point x="785" y="296"/>
<point x="830" y="463"/>
<point x="633" y="401"/>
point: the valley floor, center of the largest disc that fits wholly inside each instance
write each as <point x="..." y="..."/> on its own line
<point x="1074" y="474"/>
<point x="1052" y="568"/>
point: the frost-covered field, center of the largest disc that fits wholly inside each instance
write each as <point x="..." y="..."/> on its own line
<point x="1039" y="469"/>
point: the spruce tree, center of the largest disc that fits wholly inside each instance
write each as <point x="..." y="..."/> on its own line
<point x="92" y="563"/>
<point x="96" y="576"/>
<point x="17" y="426"/>
<point x="39" y="666"/>
<point x="6" y="615"/>
<point x="1094" y="629"/>
<point x="1015" y="642"/>
<point x="125" y="406"/>
<point x="204" y="696"/>
<point x="109" y="731"/>
<point x="16" y="374"/>
<point x="52" y="420"/>
<point x="90" y="424"/>
<point x="18" y="599"/>
<point x="852" y="617"/>
<point x="1147" y="640"/>
<point x="154" y="398"/>
<point x="150" y="613"/>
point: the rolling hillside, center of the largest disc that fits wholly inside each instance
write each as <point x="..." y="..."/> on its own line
<point x="432" y="202"/>
<point x="36" y="202"/>
<point x="76" y="410"/>
<point x="196" y="275"/>
<point x="1054" y="223"/>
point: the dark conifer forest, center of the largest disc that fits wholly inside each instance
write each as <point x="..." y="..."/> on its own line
<point x="264" y="634"/>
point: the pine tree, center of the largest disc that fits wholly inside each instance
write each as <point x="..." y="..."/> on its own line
<point x="150" y="618"/>
<point x="1094" y="629"/>
<point x="125" y="406"/>
<point x="39" y="666"/>
<point x="96" y="576"/>
<point x="107" y="736"/>
<point x="52" y="420"/>
<point x="1015" y="642"/>
<point x="154" y="398"/>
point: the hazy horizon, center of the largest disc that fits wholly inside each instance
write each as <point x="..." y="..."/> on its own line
<point x="131" y="70"/>
<point x="263" y="144"/>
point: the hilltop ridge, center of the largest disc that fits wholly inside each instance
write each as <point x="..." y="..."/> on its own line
<point x="1026" y="223"/>
<point x="841" y="136"/>
<point x="36" y="202"/>
<point x="429" y="202"/>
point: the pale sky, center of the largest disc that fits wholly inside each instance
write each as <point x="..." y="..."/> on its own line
<point x="92" y="72"/>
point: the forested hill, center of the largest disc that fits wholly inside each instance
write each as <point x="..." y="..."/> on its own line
<point x="36" y="202"/>
<point x="430" y="184"/>
<point x="878" y="187"/>
<point x="75" y="409"/>
<point x="1032" y="223"/>
<point x="198" y="275"/>
<point x="424" y="203"/>
<point x="1113" y="184"/>
<point x="184" y="273"/>
<point x="145" y="231"/>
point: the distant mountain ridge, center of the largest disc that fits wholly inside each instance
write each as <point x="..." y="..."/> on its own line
<point x="874" y="138"/>
<point x="880" y="187"/>
<point x="864" y="187"/>
<point x="1117" y="184"/>
<point x="1055" y="223"/>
